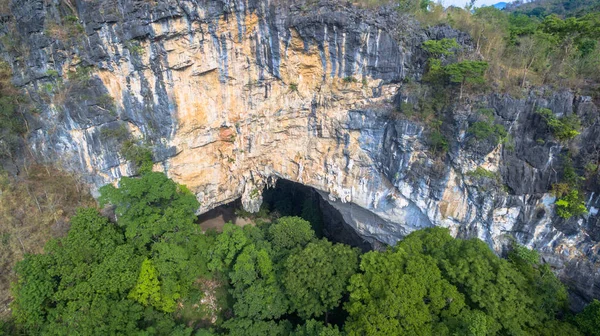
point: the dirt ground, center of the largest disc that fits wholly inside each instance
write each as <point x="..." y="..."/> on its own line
<point x="216" y="218"/>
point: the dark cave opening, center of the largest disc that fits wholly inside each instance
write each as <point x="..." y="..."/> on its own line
<point x="289" y="198"/>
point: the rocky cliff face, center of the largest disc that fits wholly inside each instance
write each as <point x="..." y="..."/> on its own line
<point x="232" y="95"/>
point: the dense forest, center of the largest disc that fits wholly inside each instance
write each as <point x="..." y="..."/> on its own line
<point x="139" y="264"/>
<point x="154" y="272"/>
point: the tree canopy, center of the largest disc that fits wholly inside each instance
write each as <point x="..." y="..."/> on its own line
<point x="152" y="272"/>
<point x="432" y="284"/>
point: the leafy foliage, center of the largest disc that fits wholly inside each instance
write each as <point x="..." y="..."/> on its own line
<point x="400" y="292"/>
<point x="571" y="204"/>
<point x="116" y="278"/>
<point x="589" y="319"/>
<point x="12" y="117"/>
<point x="565" y="128"/>
<point x="134" y="276"/>
<point x="316" y="277"/>
<point x="152" y="208"/>
<point x="256" y="290"/>
<point x="443" y="47"/>
<point x="34" y="208"/>
<point x="147" y="289"/>
<point x="466" y="73"/>
<point x="289" y="233"/>
<point x="433" y="284"/>
<point x="570" y="200"/>
<point x="529" y="46"/>
<point x="438" y="142"/>
<point x="138" y="154"/>
<point x="316" y="328"/>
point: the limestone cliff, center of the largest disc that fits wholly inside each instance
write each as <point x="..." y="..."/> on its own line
<point x="234" y="94"/>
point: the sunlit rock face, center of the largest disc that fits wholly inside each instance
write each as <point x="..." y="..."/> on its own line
<point x="232" y="95"/>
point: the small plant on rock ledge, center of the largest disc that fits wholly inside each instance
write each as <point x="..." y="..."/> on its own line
<point x="135" y="48"/>
<point x="481" y="172"/>
<point x="565" y="128"/>
<point x="81" y="75"/>
<point x="138" y="154"/>
<point x="293" y="87"/>
<point x="68" y="28"/>
<point x="569" y="196"/>
<point x="438" y="143"/>
<point x="254" y="193"/>
<point x="485" y="128"/>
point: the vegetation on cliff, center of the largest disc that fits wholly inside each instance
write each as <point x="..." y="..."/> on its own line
<point x="34" y="207"/>
<point x="12" y="114"/>
<point x="148" y="272"/>
<point x="545" y="42"/>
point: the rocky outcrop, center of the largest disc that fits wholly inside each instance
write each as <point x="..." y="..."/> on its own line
<point x="232" y="95"/>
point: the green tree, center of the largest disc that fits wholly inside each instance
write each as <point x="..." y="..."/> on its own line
<point x="81" y="283"/>
<point x="434" y="284"/>
<point x="256" y="290"/>
<point x="570" y="200"/>
<point x="588" y="320"/>
<point x="152" y="207"/>
<point x="400" y="292"/>
<point x="227" y="247"/>
<point x="99" y="281"/>
<point x="515" y="296"/>
<point x="565" y="128"/>
<point x="33" y="292"/>
<point x="247" y="327"/>
<point x="571" y="204"/>
<point x="443" y="47"/>
<point x="466" y="72"/>
<point x="316" y="328"/>
<point x="316" y="277"/>
<point x="289" y="233"/>
<point x="147" y="290"/>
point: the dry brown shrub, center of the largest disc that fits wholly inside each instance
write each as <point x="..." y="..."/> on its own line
<point x="34" y="208"/>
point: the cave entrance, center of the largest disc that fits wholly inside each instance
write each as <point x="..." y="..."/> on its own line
<point x="289" y="198"/>
<point x="216" y="218"/>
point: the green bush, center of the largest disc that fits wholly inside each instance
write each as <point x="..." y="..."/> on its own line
<point x="482" y="173"/>
<point x="107" y="102"/>
<point x="135" y="48"/>
<point x="443" y="47"/>
<point x="120" y="134"/>
<point x="522" y="253"/>
<point x="571" y="204"/>
<point x="81" y="75"/>
<point x="438" y="142"/>
<point x="565" y="128"/>
<point x="139" y="155"/>
<point x="482" y="130"/>
<point x="570" y="200"/>
<point x="589" y="319"/>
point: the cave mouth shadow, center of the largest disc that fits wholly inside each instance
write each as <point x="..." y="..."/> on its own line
<point x="289" y="198"/>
